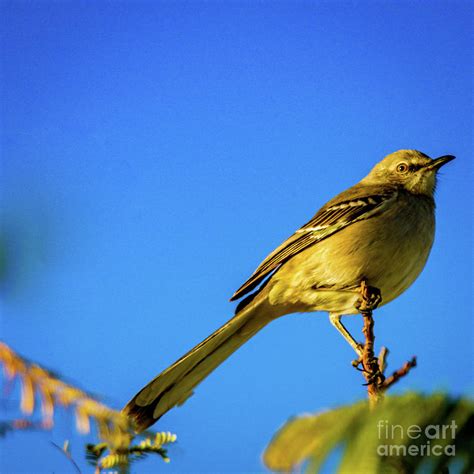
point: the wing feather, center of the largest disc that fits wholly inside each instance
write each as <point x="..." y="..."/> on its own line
<point x="356" y="204"/>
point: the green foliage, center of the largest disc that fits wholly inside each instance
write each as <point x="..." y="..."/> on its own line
<point x="403" y="434"/>
<point x="102" y="456"/>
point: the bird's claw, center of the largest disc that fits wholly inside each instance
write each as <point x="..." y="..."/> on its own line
<point x="370" y="298"/>
<point x="357" y="367"/>
<point x="376" y="375"/>
<point x="377" y="378"/>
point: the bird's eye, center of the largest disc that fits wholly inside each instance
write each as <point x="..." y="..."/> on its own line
<point x="402" y="168"/>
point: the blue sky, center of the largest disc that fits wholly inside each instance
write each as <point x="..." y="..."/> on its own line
<point x="153" y="153"/>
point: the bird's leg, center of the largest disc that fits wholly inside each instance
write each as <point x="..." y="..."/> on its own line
<point x="336" y="322"/>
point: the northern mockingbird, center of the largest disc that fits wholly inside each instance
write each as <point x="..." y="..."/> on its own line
<point x="380" y="230"/>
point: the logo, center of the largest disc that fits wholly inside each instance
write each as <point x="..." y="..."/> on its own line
<point x="415" y="440"/>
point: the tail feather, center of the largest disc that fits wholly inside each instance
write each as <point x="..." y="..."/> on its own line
<point x="175" y="385"/>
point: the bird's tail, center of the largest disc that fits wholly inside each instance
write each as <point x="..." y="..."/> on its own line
<point x="175" y="385"/>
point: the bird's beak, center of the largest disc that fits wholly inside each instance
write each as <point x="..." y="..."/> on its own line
<point x="438" y="162"/>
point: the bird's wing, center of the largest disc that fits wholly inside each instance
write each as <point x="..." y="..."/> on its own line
<point x="355" y="204"/>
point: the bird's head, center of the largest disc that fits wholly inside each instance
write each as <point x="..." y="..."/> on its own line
<point x="413" y="170"/>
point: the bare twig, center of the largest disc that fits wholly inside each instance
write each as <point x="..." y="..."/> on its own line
<point x="383" y="359"/>
<point x="398" y="374"/>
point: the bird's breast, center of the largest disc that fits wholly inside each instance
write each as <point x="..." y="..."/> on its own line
<point x="388" y="250"/>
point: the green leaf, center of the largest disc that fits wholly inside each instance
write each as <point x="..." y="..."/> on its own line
<point x="405" y="433"/>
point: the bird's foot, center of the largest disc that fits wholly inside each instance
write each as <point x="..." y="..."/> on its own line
<point x="356" y="363"/>
<point x="372" y="369"/>
<point x="378" y="378"/>
<point x="370" y="298"/>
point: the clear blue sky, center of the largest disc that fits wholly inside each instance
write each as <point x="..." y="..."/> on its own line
<point x="153" y="153"/>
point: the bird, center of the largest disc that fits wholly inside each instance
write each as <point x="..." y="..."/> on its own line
<point x="379" y="231"/>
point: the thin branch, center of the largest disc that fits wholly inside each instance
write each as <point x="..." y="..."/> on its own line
<point x="373" y="368"/>
<point x="383" y="359"/>
<point x="398" y="374"/>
